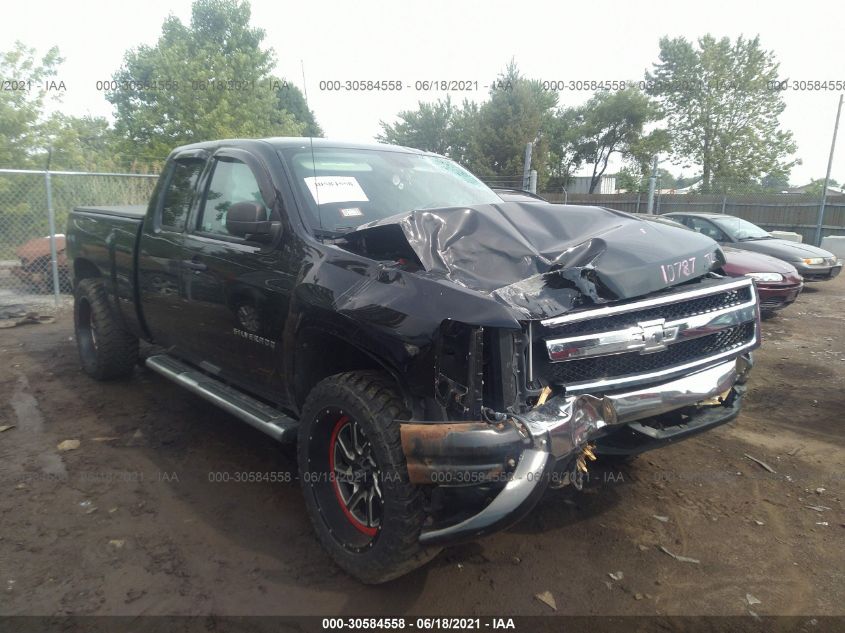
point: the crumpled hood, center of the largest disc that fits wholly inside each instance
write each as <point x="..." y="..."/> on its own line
<point x="530" y="253"/>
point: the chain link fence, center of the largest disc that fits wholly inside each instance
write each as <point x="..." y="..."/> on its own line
<point x="790" y="209"/>
<point x="791" y="212"/>
<point x="34" y="207"/>
<point x="504" y="182"/>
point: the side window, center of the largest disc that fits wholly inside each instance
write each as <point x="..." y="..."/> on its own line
<point x="231" y="182"/>
<point x="180" y="193"/>
<point x="705" y="227"/>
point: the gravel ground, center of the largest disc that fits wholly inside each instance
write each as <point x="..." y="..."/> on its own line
<point x="132" y="521"/>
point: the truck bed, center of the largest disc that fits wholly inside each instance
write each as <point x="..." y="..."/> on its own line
<point x="134" y="211"/>
<point x="106" y="238"/>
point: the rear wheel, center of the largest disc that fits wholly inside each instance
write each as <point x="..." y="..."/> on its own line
<point x="106" y="350"/>
<point x="366" y="513"/>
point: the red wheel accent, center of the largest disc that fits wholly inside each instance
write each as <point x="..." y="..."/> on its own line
<point x="369" y="531"/>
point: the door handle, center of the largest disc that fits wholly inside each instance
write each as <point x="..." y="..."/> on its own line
<point x="193" y="264"/>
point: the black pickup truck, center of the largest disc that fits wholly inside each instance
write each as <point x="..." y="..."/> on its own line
<point x="440" y="356"/>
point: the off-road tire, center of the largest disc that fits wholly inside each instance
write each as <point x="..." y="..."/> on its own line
<point x="107" y="351"/>
<point x="370" y="399"/>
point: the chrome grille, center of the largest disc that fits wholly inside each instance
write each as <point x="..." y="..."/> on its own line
<point x="604" y="367"/>
<point x="644" y="341"/>
<point x="690" y="307"/>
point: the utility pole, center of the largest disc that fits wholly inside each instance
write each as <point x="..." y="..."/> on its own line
<point x="51" y="218"/>
<point x="526" y="168"/>
<point x="827" y="175"/>
<point x="651" y="183"/>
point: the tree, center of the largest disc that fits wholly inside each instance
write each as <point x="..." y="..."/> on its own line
<point x="816" y="187"/>
<point x="291" y="99"/>
<point x="613" y="123"/>
<point x="490" y="138"/>
<point x="562" y="131"/>
<point x="722" y="112"/>
<point x="22" y="105"/>
<point x="441" y="127"/>
<point x="29" y="133"/>
<point x="775" y="182"/>
<point x="431" y="128"/>
<point x="518" y="112"/>
<point x="631" y="180"/>
<point x="210" y="79"/>
<point x="487" y="138"/>
<point x="465" y="139"/>
<point x="83" y="144"/>
<point x="628" y="181"/>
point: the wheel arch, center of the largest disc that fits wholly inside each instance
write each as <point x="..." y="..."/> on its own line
<point x="320" y="352"/>
<point x="84" y="269"/>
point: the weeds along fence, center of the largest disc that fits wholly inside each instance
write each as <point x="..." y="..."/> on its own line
<point x="34" y="207"/>
<point x="774" y="212"/>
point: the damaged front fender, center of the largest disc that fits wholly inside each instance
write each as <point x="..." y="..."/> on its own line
<point x="461" y="453"/>
<point x="519" y="452"/>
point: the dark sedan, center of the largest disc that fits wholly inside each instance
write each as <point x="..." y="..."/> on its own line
<point x="778" y="281"/>
<point x="813" y="263"/>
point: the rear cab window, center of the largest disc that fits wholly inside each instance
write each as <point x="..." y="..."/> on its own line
<point x="180" y="192"/>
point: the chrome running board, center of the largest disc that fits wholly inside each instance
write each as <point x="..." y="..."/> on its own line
<point x="254" y="412"/>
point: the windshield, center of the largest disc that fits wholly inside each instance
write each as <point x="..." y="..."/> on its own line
<point x="344" y="188"/>
<point x="667" y="221"/>
<point x="740" y="229"/>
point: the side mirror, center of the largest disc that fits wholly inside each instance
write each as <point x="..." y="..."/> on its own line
<point x="248" y="218"/>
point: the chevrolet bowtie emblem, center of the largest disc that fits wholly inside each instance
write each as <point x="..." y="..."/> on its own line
<point x="656" y="335"/>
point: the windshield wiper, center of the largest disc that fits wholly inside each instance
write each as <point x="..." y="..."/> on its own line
<point x="337" y="233"/>
<point x="325" y="233"/>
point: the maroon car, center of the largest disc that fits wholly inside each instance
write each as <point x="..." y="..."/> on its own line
<point x="778" y="281"/>
<point x="35" y="269"/>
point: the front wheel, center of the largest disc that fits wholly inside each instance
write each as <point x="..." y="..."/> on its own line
<point x="366" y="513"/>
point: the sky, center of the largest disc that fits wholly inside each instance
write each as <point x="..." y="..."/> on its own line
<point x="419" y="40"/>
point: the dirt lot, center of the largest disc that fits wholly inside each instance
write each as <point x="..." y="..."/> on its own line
<point x="131" y="523"/>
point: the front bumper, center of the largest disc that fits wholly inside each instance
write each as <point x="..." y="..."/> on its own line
<point x="523" y="451"/>
<point x="822" y="272"/>
<point x="776" y="297"/>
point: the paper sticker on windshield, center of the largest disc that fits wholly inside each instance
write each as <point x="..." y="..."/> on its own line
<point x="329" y="189"/>
<point x="352" y="212"/>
